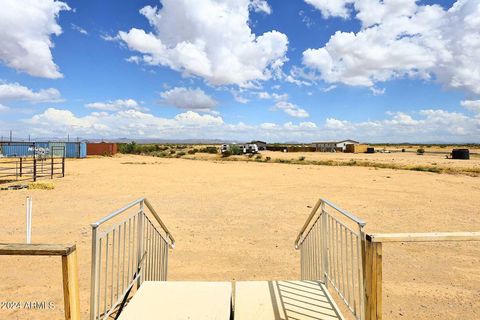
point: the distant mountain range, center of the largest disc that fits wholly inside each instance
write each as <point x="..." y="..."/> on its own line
<point x="216" y="141"/>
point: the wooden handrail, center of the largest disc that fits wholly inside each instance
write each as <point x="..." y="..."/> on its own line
<point x="23" y="249"/>
<point x="71" y="292"/>
<point x="372" y="259"/>
<point x="424" y="237"/>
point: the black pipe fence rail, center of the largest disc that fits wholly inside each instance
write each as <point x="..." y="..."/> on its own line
<point x="30" y="168"/>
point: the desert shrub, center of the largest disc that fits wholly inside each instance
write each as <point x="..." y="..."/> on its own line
<point x="172" y="151"/>
<point x="258" y="157"/>
<point x="192" y="151"/>
<point x="180" y="154"/>
<point x="160" y="154"/>
<point x="211" y="150"/>
<point x="302" y="158"/>
<point x="268" y="158"/>
<point x="127" y="148"/>
<point x="235" y="150"/>
<point x="226" y="154"/>
<point x="420" y="151"/>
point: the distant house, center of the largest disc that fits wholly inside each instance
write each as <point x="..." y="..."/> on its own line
<point x="262" y="145"/>
<point x="331" y="146"/>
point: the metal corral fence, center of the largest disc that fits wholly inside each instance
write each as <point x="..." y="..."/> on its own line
<point x="128" y="247"/>
<point x="330" y="244"/>
<point x="38" y="164"/>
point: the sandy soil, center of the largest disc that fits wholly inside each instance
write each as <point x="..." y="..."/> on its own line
<point x="400" y="158"/>
<point x="238" y="220"/>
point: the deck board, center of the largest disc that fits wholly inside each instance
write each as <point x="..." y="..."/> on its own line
<point x="180" y="300"/>
<point x="284" y="300"/>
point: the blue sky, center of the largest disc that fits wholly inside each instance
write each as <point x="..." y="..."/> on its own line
<point x="299" y="70"/>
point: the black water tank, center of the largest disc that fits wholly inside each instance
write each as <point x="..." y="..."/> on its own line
<point x="370" y="150"/>
<point x="463" y="154"/>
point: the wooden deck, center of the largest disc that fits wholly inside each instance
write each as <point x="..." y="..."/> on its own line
<point x="180" y="300"/>
<point x="254" y="300"/>
<point x="284" y="300"/>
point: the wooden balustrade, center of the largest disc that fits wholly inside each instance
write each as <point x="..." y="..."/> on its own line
<point x="71" y="295"/>
<point x="372" y="268"/>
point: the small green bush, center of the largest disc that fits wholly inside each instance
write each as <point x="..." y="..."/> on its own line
<point x="180" y="154"/>
<point x="235" y="150"/>
<point x="420" y="151"/>
<point x="211" y="150"/>
<point x="226" y="154"/>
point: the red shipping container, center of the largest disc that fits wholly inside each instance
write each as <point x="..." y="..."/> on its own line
<point x="101" y="149"/>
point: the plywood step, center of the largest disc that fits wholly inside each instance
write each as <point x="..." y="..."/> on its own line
<point x="180" y="300"/>
<point x="283" y="300"/>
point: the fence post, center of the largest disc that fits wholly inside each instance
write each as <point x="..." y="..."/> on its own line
<point x="140" y="242"/>
<point x="51" y="167"/>
<point x="63" y="167"/>
<point x="71" y="292"/>
<point x="21" y="166"/>
<point x="93" y="274"/>
<point x="34" y="168"/>
<point x="373" y="279"/>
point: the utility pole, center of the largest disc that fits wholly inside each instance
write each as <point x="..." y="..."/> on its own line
<point x="10" y="135"/>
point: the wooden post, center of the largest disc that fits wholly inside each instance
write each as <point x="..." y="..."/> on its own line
<point x="34" y="168"/>
<point x="51" y="167"/>
<point x="373" y="280"/>
<point x="63" y="167"/>
<point x="71" y="292"/>
<point x="21" y="167"/>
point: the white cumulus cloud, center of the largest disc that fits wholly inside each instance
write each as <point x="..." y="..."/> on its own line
<point x="336" y="8"/>
<point x="210" y="39"/>
<point x="425" y="125"/>
<point x="261" y="6"/>
<point x="291" y="109"/>
<point x="472" y="105"/>
<point x="401" y="38"/>
<point x="115" y="105"/>
<point x="188" y="98"/>
<point x="26" y="28"/>
<point x="17" y="92"/>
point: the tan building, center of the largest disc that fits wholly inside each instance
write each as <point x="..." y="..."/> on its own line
<point x="332" y="146"/>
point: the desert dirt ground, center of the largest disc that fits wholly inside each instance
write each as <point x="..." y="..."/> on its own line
<point x="237" y="220"/>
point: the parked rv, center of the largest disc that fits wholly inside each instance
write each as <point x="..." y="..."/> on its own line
<point x="224" y="148"/>
<point x="250" y="148"/>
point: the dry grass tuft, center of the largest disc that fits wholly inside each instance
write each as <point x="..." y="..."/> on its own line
<point x="41" y="185"/>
